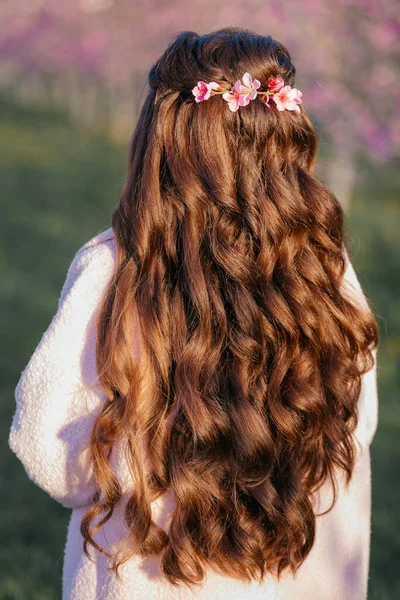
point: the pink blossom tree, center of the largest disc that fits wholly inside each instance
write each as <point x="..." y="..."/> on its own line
<point x="93" y="55"/>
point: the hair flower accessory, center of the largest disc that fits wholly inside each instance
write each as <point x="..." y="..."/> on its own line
<point x="242" y="93"/>
<point x="203" y="90"/>
<point x="275" y="83"/>
<point x="245" y="90"/>
<point x="288" y="98"/>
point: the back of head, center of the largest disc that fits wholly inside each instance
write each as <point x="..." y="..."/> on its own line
<point x="232" y="252"/>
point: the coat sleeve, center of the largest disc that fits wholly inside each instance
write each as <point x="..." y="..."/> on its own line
<point x="58" y="396"/>
<point x="368" y="402"/>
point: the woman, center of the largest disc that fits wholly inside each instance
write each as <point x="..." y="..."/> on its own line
<point x="205" y="396"/>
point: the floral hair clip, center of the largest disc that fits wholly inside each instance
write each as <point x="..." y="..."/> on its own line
<point x="242" y="92"/>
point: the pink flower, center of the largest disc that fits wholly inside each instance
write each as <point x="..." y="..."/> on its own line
<point x="202" y="90"/>
<point x="265" y="98"/>
<point x="235" y="97"/>
<point x="276" y="83"/>
<point x="241" y="94"/>
<point x="251" y="85"/>
<point x="288" y="98"/>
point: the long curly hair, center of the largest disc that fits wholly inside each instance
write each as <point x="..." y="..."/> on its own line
<point x="231" y="254"/>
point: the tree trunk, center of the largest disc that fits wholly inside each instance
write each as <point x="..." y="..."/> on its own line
<point x="342" y="172"/>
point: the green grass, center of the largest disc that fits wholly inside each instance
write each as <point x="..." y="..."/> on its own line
<point x="58" y="187"/>
<point x="373" y="223"/>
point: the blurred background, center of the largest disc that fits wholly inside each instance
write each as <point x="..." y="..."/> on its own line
<point x="72" y="78"/>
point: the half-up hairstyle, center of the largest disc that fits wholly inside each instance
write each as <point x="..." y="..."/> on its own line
<point x="231" y="254"/>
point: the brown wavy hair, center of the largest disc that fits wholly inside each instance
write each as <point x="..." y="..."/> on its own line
<point x="231" y="254"/>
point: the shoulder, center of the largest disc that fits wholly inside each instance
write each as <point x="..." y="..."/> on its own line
<point x="102" y="245"/>
<point x="100" y="238"/>
<point x="351" y="283"/>
<point x="98" y="253"/>
<point x="92" y="266"/>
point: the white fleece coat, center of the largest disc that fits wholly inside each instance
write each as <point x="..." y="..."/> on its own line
<point x="57" y="399"/>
